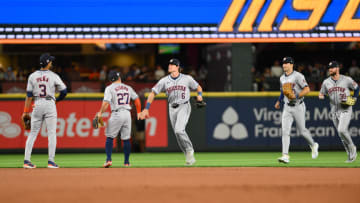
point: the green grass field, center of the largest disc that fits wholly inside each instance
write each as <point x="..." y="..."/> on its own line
<point x="223" y="159"/>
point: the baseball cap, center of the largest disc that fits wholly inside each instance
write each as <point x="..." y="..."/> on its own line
<point x="333" y="64"/>
<point x="45" y="59"/>
<point x="174" y="61"/>
<point x="288" y="59"/>
<point x="114" y="76"/>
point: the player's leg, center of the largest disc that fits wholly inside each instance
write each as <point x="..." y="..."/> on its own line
<point x="173" y="114"/>
<point x="299" y="116"/>
<point x="335" y="120"/>
<point x="126" y="135"/>
<point x="51" y="121"/>
<point x="111" y="131"/>
<point x="344" y="121"/>
<point x="36" y="122"/>
<point x="287" y="121"/>
<point x="181" y="135"/>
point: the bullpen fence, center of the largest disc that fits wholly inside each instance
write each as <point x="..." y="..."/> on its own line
<point x="230" y="122"/>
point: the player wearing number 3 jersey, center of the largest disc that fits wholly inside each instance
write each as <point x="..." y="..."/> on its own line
<point x="118" y="96"/>
<point x="177" y="87"/>
<point x="41" y="88"/>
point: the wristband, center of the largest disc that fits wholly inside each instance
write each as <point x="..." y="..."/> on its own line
<point x="147" y="105"/>
<point x="199" y="93"/>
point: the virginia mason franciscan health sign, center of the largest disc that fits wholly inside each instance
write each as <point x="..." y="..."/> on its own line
<point x="157" y="21"/>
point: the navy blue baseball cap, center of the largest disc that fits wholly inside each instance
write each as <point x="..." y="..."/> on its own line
<point x="45" y="59"/>
<point x="333" y="64"/>
<point x="174" y="61"/>
<point x="288" y="59"/>
<point x="114" y="76"/>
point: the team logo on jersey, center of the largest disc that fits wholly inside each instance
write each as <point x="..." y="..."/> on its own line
<point x="230" y="126"/>
<point x="8" y="129"/>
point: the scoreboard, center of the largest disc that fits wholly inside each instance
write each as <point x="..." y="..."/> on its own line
<point x="178" y="21"/>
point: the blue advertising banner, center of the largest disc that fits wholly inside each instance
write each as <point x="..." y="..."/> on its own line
<point x="255" y="123"/>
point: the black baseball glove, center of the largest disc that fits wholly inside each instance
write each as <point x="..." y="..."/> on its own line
<point x="200" y="104"/>
<point x="97" y="122"/>
<point x="26" y="121"/>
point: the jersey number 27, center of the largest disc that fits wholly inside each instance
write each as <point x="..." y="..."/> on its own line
<point x="123" y="98"/>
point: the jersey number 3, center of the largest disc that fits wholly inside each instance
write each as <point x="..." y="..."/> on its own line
<point x="43" y="90"/>
<point x="121" y="98"/>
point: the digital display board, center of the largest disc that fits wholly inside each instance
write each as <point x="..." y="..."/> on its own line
<point x="178" y="21"/>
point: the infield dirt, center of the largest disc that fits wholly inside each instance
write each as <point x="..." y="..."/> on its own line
<point x="180" y="185"/>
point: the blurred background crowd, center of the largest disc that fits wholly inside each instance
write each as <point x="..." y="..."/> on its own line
<point x="210" y="64"/>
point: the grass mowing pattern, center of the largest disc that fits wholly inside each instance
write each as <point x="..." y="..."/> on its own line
<point x="204" y="159"/>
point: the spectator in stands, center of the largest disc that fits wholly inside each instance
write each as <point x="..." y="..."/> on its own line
<point x="267" y="79"/>
<point x="74" y="75"/>
<point x="94" y="75"/>
<point x="10" y="75"/>
<point x="276" y="69"/>
<point x="354" y="70"/>
<point x="21" y="76"/>
<point x="202" y="74"/>
<point x="103" y="73"/>
<point x="2" y="73"/>
<point x="144" y="74"/>
<point x="159" y="72"/>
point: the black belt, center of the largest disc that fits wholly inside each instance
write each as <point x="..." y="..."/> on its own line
<point x="293" y="104"/>
<point x="117" y="110"/>
<point x="175" y="105"/>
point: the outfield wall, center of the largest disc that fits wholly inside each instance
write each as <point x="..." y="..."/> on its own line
<point x="233" y="121"/>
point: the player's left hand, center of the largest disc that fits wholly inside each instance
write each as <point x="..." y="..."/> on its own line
<point x="199" y="98"/>
<point x="144" y="114"/>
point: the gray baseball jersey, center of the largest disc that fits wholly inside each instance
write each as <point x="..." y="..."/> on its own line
<point x="178" y="92"/>
<point x="119" y="95"/>
<point x="294" y="110"/>
<point x="43" y="84"/>
<point x="338" y="91"/>
<point x="298" y="83"/>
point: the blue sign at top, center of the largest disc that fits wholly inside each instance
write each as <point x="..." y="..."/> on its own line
<point x="170" y="11"/>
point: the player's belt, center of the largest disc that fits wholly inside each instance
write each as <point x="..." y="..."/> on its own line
<point x="118" y="110"/>
<point x="294" y="104"/>
<point x="47" y="98"/>
<point x="175" y="105"/>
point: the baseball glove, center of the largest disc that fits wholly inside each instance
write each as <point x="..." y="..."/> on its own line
<point x="200" y="104"/>
<point x="97" y="122"/>
<point x="287" y="90"/>
<point x="350" y="101"/>
<point x="26" y="121"/>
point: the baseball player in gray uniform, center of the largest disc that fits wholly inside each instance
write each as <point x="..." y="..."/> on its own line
<point x="177" y="87"/>
<point x="118" y="96"/>
<point x="41" y="88"/>
<point x="294" y="109"/>
<point x="338" y="87"/>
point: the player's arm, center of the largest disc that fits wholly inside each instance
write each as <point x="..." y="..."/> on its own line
<point x="322" y="92"/>
<point x="62" y="95"/>
<point x="199" y="91"/>
<point x="28" y="100"/>
<point x="137" y="104"/>
<point x="281" y="97"/>
<point x="145" y="113"/>
<point x="104" y="106"/>
<point x="356" y="92"/>
<point x="304" y="92"/>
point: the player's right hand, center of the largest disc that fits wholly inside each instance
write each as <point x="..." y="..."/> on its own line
<point x="321" y="96"/>
<point x="144" y="114"/>
<point x="277" y="105"/>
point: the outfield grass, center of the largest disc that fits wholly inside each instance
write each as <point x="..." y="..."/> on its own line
<point x="223" y="159"/>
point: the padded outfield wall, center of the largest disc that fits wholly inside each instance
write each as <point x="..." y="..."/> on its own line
<point x="236" y="121"/>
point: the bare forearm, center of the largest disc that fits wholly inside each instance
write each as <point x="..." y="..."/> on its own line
<point x="304" y="92"/>
<point x="104" y="106"/>
<point x="27" y="104"/>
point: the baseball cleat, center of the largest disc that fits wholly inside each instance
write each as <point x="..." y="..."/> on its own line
<point x="190" y="159"/>
<point x="314" y="150"/>
<point x="284" y="159"/>
<point x="28" y="164"/>
<point x="127" y="165"/>
<point x="352" y="154"/>
<point x="107" y="164"/>
<point x="52" y="164"/>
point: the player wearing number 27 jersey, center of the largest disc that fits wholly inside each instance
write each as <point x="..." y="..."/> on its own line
<point x="118" y="96"/>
